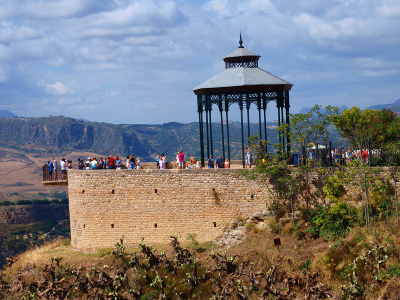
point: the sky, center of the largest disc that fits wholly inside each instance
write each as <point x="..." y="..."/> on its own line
<point x="137" y="62"/>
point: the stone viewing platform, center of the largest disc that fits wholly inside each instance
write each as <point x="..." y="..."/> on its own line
<point x="106" y="205"/>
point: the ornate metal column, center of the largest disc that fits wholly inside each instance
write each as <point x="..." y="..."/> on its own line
<point x="222" y="126"/>
<point x="208" y="138"/>
<point x="241" y="122"/>
<point x="279" y="122"/>
<point x="265" y="119"/>
<point x="200" y="111"/>
<point x="248" y="116"/>
<point x="283" y="122"/>
<point x="259" y="114"/>
<point x="227" y="126"/>
<point x="209" y="115"/>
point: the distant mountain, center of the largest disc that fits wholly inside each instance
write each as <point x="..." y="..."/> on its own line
<point x="382" y="106"/>
<point x="306" y="110"/>
<point x="84" y="120"/>
<point x="6" y="113"/>
<point x="58" y="134"/>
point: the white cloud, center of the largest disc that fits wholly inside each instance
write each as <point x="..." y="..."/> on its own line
<point x="130" y="53"/>
<point x="58" y="88"/>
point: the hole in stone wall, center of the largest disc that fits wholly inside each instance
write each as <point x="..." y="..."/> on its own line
<point x="84" y="225"/>
<point x="112" y="225"/>
<point x="155" y="191"/>
<point x="215" y="224"/>
<point x="83" y="191"/>
<point x="155" y="225"/>
<point x="252" y="197"/>
<point x="112" y="192"/>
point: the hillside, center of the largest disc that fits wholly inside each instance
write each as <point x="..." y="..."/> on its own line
<point x="23" y="226"/>
<point x="55" y="136"/>
<point x="305" y="268"/>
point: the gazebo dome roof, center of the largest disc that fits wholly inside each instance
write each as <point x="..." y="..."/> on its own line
<point x="241" y="53"/>
<point x="241" y="76"/>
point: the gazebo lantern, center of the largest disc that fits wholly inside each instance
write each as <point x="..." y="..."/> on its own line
<point x="241" y="82"/>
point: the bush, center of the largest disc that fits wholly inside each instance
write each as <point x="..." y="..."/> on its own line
<point x="64" y="201"/>
<point x="23" y="202"/>
<point x="331" y="223"/>
<point x="6" y="203"/>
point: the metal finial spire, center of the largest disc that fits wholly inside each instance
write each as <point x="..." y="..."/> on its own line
<point x="240" y="41"/>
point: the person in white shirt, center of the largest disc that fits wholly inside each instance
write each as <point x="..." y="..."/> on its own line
<point x="63" y="169"/>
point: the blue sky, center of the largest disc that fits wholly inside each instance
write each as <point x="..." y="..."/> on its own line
<point x="126" y="61"/>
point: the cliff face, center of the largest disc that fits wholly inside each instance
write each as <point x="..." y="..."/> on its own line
<point x="61" y="133"/>
<point x="20" y="214"/>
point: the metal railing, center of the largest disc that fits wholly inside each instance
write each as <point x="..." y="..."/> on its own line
<point x="337" y="154"/>
<point x="55" y="175"/>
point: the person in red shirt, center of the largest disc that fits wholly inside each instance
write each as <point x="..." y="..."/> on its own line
<point x="112" y="162"/>
<point x="365" y="156"/>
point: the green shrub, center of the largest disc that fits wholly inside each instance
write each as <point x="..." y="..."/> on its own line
<point x="305" y="267"/>
<point x="23" y="202"/>
<point x="331" y="223"/>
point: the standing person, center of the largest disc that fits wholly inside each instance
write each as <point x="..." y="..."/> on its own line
<point x="108" y="166"/>
<point x="128" y="163"/>
<point x="164" y="161"/>
<point x="181" y="160"/>
<point x="365" y="156"/>
<point x="94" y="163"/>
<point x="227" y="163"/>
<point x="81" y="164"/>
<point x="70" y="165"/>
<point x="101" y="163"/>
<point x="342" y="156"/>
<point x="132" y="161"/>
<point x="112" y="162"/>
<point x="220" y="162"/>
<point x="118" y="163"/>
<point x="55" y="169"/>
<point x="50" y="166"/>
<point x="63" y="169"/>
<point x="88" y="163"/>
<point x="138" y="164"/>
<point x="248" y="157"/>
<point x="211" y="162"/>
<point x="158" y="160"/>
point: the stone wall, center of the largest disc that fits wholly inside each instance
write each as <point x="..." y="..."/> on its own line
<point x="154" y="204"/>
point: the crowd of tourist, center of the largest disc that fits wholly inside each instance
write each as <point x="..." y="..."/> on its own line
<point x="340" y="156"/>
<point x="131" y="163"/>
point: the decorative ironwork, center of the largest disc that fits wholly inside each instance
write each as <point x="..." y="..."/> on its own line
<point x="240" y="41"/>
<point x="242" y="63"/>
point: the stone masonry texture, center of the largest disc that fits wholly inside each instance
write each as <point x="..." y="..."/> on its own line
<point x="106" y="205"/>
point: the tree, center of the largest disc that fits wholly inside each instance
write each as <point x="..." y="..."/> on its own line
<point x="275" y="168"/>
<point x="305" y="129"/>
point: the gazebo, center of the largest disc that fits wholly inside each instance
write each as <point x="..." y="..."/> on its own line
<point x="244" y="83"/>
